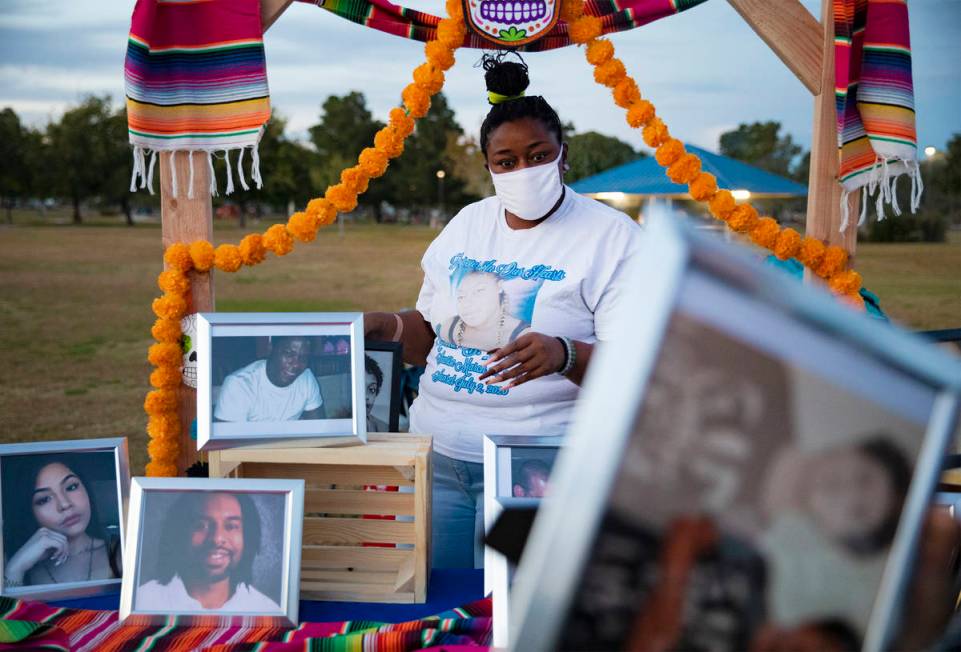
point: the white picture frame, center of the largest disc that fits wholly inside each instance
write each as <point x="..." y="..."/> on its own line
<point x="722" y="285"/>
<point x="235" y="358"/>
<point x="102" y="467"/>
<point x="501" y="467"/>
<point x="183" y="534"/>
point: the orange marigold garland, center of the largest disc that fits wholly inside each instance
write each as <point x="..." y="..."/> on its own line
<point x="162" y="403"/>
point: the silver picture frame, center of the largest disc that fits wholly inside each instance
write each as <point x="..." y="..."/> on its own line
<point x="347" y="383"/>
<point x="677" y="260"/>
<point x="498" y="495"/>
<point x="289" y="493"/>
<point x="116" y="448"/>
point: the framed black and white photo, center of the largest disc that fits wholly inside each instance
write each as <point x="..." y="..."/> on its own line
<point x="383" y="362"/>
<point x="62" y="509"/>
<point x="745" y="442"/>
<point x="516" y="473"/>
<point x="279" y="378"/>
<point x="227" y="548"/>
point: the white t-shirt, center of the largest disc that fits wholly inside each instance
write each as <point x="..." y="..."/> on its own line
<point x="485" y="284"/>
<point x="173" y="597"/>
<point x="248" y="395"/>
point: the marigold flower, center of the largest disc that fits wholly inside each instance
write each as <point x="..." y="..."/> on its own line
<point x="161" y="470"/>
<point x="373" y="162"/>
<point x="161" y="400"/>
<point x="278" y="240"/>
<point x="342" y="198"/>
<point x="165" y="377"/>
<point x="227" y="258"/>
<point x="439" y="54"/>
<point x="811" y="252"/>
<point x="787" y="244"/>
<point x="640" y="113"/>
<point x="202" y="255"/>
<point x="703" y="187"/>
<point x="835" y="259"/>
<point x="162" y="450"/>
<point x="571" y="10"/>
<point x="451" y="32"/>
<point x="743" y="218"/>
<point x="584" y="29"/>
<point x="166" y="330"/>
<point x="846" y="282"/>
<point x="855" y="300"/>
<point x="389" y="142"/>
<point x="400" y="122"/>
<point x="669" y="152"/>
<point x="722" y="204"/>
<point x="599" y="51"/>
<point x="626" y="93"/>
<point x="655" y="133"/>
<point x="322" y="210"/>
<point x="170" y="306"/>
<point x="685" y="169"/>
<point x="173" y="281"/>
<point x="765" y="232"/>
<point x="252" y="249"/>
<point x="303" y="226"/>
<point x="177" y="256"/>
<point x="429" y="77"/>
<point x="416" y="100"/>
<point x="610" y="73"/>
<point x="454" y="9"/>
<point x="355" y="179"/>
<point x="164" y="425"/>
<point x="165" y="354"/>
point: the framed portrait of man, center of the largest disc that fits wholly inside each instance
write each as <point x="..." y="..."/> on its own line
<point x="222" y="548"/>
<point x="279" y="379"/>
<point x="62" y="509"/>
<point x="759" y="460"/>
<point x="516" y="473"/>
<point x="383" y="362"/>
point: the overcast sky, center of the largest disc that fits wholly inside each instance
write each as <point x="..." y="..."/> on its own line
<point x="704" y="69"/>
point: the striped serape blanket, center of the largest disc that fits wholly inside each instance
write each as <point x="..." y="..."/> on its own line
<point x="32" y="625"/>
<point x="875" y="103"/>
<point x="616" y="16"/>
<point x="196" y="80"/>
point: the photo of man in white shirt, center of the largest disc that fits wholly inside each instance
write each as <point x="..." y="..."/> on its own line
<point x="206" y="553"/>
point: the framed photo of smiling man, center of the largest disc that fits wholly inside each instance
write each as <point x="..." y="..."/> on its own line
<point x="62" y="506"/>
<point x="279" y="379"/>
<point x="227" y="548"/>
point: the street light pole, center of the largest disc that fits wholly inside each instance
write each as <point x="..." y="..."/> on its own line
<point x="440" y="189"/>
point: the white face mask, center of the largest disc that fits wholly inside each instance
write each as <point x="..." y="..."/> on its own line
<point x="530" y="193"/>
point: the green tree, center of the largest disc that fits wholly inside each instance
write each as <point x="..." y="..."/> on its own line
<point x="591" y="152"/>
<point x="115" y="188"/>
<point x="761" y="144"/>
<point x="20" y="160"/>
<point x="82" y="148"/>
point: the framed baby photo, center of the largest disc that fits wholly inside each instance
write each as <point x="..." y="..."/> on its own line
<point x="280" y="379"/>
<point x="383" y="362"/>
<point x="749" y="444"/>
<point x="213" y="550"/>
<point x="62" y="515"/>
<point x="516" y="473"/>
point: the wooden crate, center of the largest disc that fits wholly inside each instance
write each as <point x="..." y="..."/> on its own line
<point x="336" y="565"/>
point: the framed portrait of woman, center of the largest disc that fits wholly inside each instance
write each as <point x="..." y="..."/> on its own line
<point x="383" y="362"/>
<point x="280" y="379"/>
<point x="62" y="508"/>
<point x="226" y="549"/>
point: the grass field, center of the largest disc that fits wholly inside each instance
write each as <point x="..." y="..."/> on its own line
<point x="75" y="309"/>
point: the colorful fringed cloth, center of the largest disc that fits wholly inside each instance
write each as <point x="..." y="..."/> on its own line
<point x="38" y="626"/>
<point x="616" y="16"/>
<point x="875" y="102"/>
<point x="196" y="80"/>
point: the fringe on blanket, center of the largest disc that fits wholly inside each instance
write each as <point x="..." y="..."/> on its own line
<point x="882" y="183"/>
<point x="143" y="172"/>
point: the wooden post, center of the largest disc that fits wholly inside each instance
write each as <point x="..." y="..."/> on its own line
<point x="824" y="190"/>
<point x="186" y="220"/>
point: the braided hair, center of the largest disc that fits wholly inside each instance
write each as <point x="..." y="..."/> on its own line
<point x="506" y="83"/>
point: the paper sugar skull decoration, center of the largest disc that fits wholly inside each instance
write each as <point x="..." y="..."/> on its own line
<point x="510" y="23"/>
<point x="188" y="343"/>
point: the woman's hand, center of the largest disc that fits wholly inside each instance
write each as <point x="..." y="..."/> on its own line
<point x="44" y="544"/>
<point x="530" y="356"/>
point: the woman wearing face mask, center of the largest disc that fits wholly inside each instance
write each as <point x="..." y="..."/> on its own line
<point x="553" y="265"/>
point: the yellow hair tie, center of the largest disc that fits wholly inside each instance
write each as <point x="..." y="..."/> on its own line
<point x="497" y="98"/>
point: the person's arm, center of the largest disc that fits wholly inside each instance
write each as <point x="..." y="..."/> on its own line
<point x="416" y="334"/>
<point x="533" y="355"/>
<point x="316" y="413"/>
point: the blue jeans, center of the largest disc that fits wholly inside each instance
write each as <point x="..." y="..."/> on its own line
<point x="457" y="529"/>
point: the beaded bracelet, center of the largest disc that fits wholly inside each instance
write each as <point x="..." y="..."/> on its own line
<point x="570" y="355"/>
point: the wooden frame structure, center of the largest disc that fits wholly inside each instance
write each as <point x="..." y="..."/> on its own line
<point x="805" y="45"/>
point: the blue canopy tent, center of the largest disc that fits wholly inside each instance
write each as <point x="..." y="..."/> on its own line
<point x="626" y="185"/>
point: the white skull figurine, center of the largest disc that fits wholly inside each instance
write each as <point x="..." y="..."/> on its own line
<point x="189" y="327"/>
